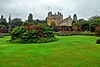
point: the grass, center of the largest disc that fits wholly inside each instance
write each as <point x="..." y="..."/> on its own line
<point x="68" y="51"/>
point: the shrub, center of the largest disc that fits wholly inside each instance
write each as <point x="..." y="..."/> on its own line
<point x="98" y="41"/>
<point x="32" y="34"/>
<point x="53" y="23"/>
<point x="1" y="35"/>
<point x="97" y="31"/>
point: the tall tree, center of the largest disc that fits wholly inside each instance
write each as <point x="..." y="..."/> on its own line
<point x="2" y="17"/>
<point x="30" y="18"/>
<point x="3" y="21"/>
<point x="75" y="18"/>
<point x="9" y="19"/>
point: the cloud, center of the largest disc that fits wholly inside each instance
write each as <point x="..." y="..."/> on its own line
<point x="39" y="8"/>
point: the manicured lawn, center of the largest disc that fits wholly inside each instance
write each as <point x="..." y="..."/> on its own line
<point x="68" y="51"/>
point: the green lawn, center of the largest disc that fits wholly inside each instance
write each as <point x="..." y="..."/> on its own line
<point x="68" y="51"/>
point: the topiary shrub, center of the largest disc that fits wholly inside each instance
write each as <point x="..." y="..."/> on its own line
<point x="32" y="34"/>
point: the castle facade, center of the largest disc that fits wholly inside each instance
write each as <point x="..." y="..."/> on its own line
<point x="58" y="19"/>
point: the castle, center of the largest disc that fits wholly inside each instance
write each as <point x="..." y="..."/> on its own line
<point x="58" y="19"/>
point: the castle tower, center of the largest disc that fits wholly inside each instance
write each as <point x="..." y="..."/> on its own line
<point x="49" y="18"/>
<point x="57" y="18"/>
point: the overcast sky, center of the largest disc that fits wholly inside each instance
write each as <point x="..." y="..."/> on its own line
<point x="39" y="8"/>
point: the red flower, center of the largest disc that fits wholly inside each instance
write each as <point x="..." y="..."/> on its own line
<point x="33" y="27"/>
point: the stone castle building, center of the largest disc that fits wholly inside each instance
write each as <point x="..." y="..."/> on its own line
<point x="58" y="19"/>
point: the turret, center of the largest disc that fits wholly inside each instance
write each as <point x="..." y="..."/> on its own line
<point x="49" y="14"/>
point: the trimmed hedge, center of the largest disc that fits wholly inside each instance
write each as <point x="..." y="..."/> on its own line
<point x="66" y="33"/>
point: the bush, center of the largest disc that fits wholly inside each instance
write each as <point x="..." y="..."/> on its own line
<point x="98" y="41"/>
<point x="97" y="31"/>
<point x="32" y="34"/>
<point x="53" y="23"/>
<point x="1" y="35"/>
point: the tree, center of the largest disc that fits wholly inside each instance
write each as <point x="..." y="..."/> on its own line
<point x="75" y="18"/>
<point x="16" y="22"/>
<point x="9" y="18"/>
<point x="94" y="22"/>
<point x="3" y="21"/>
<point x="84" y="24"/>
<point x="53" y="23"/>
<point x="26" y="23"/>
<point x="30" y="18"/>
<point x="43" y="24"/>
<point x="81" y="20"/>
<point x="77" y="26"/>
<point x="2" y="17"/>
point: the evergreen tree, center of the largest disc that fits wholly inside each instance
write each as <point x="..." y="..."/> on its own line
<point x="9" y="18"/>
<point x="75" y="18"/>
<point x="2" y="17"/>
<point x="30" y="18"/>
<point x="3" y="20"/>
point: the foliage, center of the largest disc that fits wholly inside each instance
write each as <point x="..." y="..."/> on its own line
<point x="1" y="35"/>
<point x="53" y="23"/>
<point x="98" y="41"/>
<point x="88" y="25"/>
<point x="85" y="26"/>
<point x="42" y="24"/>
<point x="97" y="31"/>
<point x="16" y="22"/>
<point x="94" y="22"/>
<point x="26" y="23"/>
<point x="76" y="26"/>
<point x="32" y="34"/>
<point x="3" y="21"/>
